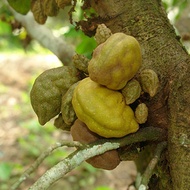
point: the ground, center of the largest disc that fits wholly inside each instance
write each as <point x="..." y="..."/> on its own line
<point x="22" y="138"/>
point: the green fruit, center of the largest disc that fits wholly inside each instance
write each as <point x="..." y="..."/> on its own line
<point x="131" y="91"/>
<point x="68" y="113"/>
<point x="48" y="89"/>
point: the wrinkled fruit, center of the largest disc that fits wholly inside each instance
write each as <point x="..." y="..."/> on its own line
<point x="102" y="34"/>
<point x="141" y="113"/>
<point x="131" y="91"/>
<point x="103" y="110"/>
<point x="38" y="11"/>
<point x="81" y="62"/>
<point x="149" y="81"/>
<point x="68" y="113"/>
<point x="115" y="61"/>
<point x="48" y="89"/>
<point x="63" y="3"/>
<point x="50" y="7"/>
<point x="60" y="124"/>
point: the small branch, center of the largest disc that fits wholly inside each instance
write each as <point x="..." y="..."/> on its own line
<point x="69" y="163"/>
<point x="96" y="148"/>
<point x="40" y="159"/>
<point x="57" y="45"/>
<point x="152" y="164"/>
<point x="142" y="135"/>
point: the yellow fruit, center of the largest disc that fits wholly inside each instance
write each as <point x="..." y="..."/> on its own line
<point x="103" y="110"/>
<point x="115" y="61"/>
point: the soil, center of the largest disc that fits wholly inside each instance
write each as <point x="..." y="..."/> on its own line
<point x="17" y="72"/>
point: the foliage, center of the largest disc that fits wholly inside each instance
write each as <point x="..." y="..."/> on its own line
<point x="81" y="49"/>
<point x="5" y="171"/>
<point x="21" y="6"/>
<point x="175" y="7"/>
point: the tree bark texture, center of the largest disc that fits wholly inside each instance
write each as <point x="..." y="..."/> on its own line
<point x="163" y="52"/>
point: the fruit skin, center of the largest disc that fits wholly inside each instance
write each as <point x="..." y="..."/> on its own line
<point x="81" y="62"/>
<point x="60" y="124"/>
<point x="149" y="81"/>
<point x="63" y="3"/>
<point x="102" y="33"/>
<point x="141" y="113"/>
<point x="103" y="110"/>
<point x="115" y="61"/>
<point x="131" y="91"/>
<point x="68" y="113"/>
<point x="108" y="160"/>
<point x="38" y="11"/>
<point x="50" y="7"/>
<point x="48" y="89"/>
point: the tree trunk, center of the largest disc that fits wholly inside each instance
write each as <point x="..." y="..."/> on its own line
<point x="164" y="53"/>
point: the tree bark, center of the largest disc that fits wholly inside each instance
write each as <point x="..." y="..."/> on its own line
<point x="163" y="52"/>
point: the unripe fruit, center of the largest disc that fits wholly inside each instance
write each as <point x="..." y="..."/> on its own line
<point x="102" y="34"/>
<point x="131" y="91"/>
<point x="48" y="89"/>
<point x="81" y="62"/>
<point x="149" y="81"/>
<point x="141" y="113"/>
<point x="68" y="113"/>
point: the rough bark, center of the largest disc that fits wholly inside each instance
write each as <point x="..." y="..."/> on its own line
<point x="164" y="53"/>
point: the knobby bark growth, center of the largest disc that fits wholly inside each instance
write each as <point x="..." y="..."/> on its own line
<point x="163" y="52"/>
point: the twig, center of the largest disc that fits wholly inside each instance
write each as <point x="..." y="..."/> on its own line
<point x="152" y="164"/>
<point x="57" y="45"/>
<point x="97" y="148"/>
<point x="40" y="159"/>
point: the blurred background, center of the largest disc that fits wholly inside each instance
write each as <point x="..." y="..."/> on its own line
<point x="22" y="139"/>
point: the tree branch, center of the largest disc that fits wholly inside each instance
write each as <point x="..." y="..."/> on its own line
<point x="96" y="148"/>
<point x="45" y="37"/>
<point x="41" y="158"/>
<point x="152" y="164"/>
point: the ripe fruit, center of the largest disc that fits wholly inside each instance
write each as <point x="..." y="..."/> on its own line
<point x="115" y="61"/>
<point x="103" y="110"/>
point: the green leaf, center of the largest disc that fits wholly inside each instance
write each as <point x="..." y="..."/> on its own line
<point x="102" y="188"/>
<point x="5" y="171"/>
<point x="21" y="6"/>
<point x="5" y="28"/>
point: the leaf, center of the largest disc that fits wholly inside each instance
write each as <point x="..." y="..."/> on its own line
<point x="102" y="188"/>
<point x="21" y="6"/>
<point x="5" y="171"/>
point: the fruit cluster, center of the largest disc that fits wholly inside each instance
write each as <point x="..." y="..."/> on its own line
<point x="100" y="104"/>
